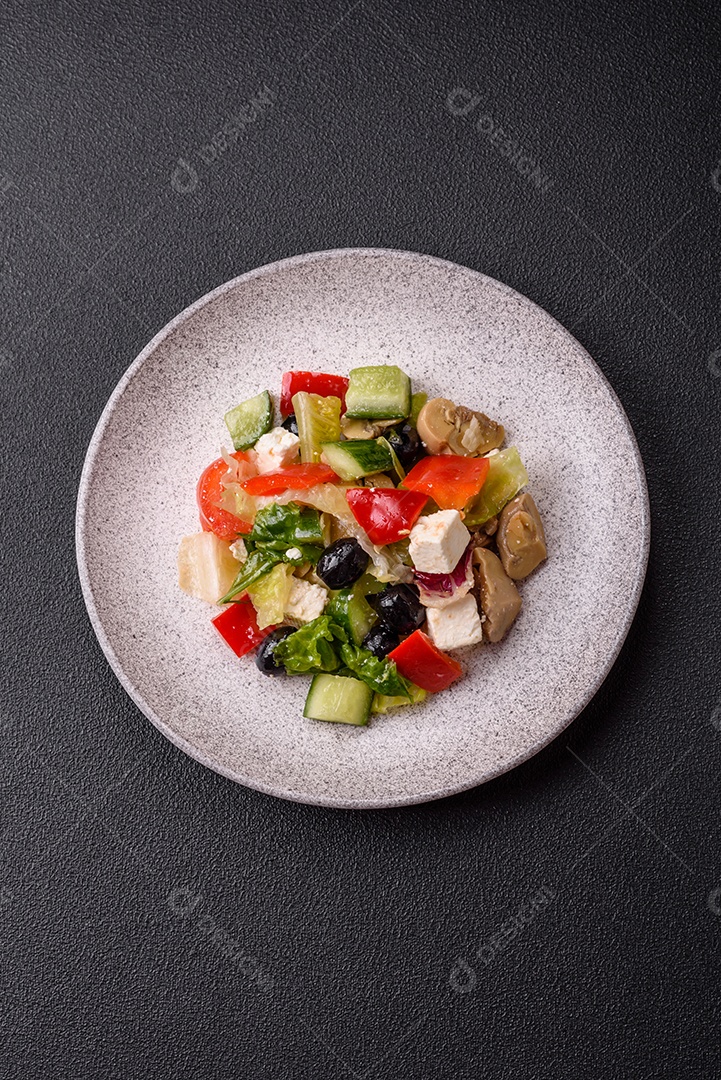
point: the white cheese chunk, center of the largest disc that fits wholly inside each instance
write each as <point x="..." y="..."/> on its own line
<point x="239" y="550"/>
<point x="276" y="449"/>
<point x="438" y="541"/>
<point x="457" y="625"/>
<point x="306" y="601"/>
<point x="294" y="553"/>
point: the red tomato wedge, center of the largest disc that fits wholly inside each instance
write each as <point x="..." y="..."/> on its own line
<point x="208" y="494"/>
<point x="297" y="477"/>
<point x="312" y="382"/>
<point x="449" y="479"/>
<point x="386" y="514"/>
<point x="419" y="660"/>
<point x="238" y="626"/>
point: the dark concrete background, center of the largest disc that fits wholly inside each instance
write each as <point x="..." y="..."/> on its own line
<point x="156" y="920"/>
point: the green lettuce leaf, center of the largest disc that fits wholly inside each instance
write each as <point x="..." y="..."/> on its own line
<point x="506" y="476"/>
<point x="312" y="648"/>
<point x="290" y="526"/>
<point x="381" y="675"/>
<point x="300" y="553"/>
<point x="253" y="569"/>
<point x="383" y="703"/>
<point x="270" y="595"/>
<point x="400" y="471"/>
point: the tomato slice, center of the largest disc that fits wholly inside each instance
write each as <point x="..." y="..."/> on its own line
<point x="292" y="477"/>
<point x="312" y="382"/>
<point x="386" y="514"/>
<point x="238" y="626"/>
<point x="419" y="660"/>
<point x="209" y="493"/>
<point x="449" y="479"/>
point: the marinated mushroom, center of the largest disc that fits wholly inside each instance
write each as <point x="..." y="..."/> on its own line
<point x="520" y="539"/>
<point x="500" y="599"/>
<point x="446" y="428"/>
<point x="364" y="429"/>
<point x="378" y="480"/>
<point x="483" y="536"/>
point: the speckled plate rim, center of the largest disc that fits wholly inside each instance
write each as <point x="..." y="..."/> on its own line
<point x="190" y="749"/>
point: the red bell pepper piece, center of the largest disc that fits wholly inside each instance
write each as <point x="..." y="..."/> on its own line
<point x="386" y="514"/>
<point x="209" y="492"/>
<point x="298" y="477"/>
<point x="449" y="479"/>
<point x="419" y="660"/>
<point x="238" y="626"/>
<point x="312" y="382"/>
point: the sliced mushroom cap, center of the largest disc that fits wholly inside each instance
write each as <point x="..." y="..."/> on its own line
<point x="446" y="428"/>
<point x="364" y="429"/>
<point x="500" y="599"/>
<point x="520" y="538"/>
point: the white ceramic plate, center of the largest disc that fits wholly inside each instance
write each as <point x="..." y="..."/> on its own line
<point x="458" y="334"/>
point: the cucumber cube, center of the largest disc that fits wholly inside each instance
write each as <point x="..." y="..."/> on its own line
<point x="350" y="609"/>
<point x="356" y="457"/>
<point x="249" y="420"/>
<point x="382" y="392"/>
<point x="339" y="700"/>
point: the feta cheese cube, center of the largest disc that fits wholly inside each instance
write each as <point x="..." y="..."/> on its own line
<point x="239" y="550"/>
<point x="438" y="541"/>
<point x="457" y="625"/>
<point x="306" y="601"/>
<point x="276" y="449"/>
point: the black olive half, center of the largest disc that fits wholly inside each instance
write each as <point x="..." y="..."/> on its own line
<point x="399" y="607"/>
<point x="381" y="640"/>
<point x="406" y="442"/>
<point x="342" y="563"/>
<point x="265" y="653"/>
<point x="290" y="424"/>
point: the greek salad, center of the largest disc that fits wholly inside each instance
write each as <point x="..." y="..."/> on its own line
<point x="363" y="540"/>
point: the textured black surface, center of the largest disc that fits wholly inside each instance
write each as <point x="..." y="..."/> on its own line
<point x="156" y="920"/>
